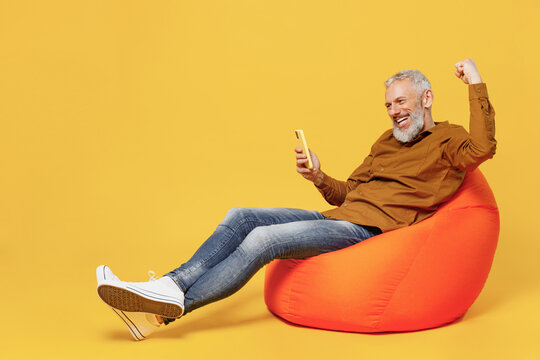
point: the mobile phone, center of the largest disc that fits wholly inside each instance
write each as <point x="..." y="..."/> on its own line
<point x="303" y="145"/>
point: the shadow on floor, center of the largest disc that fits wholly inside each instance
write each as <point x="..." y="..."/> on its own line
<point x="213" y="319"/>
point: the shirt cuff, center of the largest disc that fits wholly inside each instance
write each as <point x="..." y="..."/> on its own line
<point x="478" y="91"/>
<point x="327" y="180"/>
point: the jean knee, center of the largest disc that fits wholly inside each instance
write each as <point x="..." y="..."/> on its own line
<point x="258" y="243"/>
<point x="234" y="214"/>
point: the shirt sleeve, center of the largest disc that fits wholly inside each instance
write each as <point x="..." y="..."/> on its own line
<point x="466" y="151"/>
<point x="334" y="191"/>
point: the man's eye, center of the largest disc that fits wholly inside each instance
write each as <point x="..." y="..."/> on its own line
<point x="401" y="101"/>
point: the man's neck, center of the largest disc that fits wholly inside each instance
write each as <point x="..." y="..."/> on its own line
<point x="428" y="122"/>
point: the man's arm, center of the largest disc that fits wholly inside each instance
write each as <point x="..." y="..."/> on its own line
<point x="333" y="190"/>
<point x="468" y="151"/>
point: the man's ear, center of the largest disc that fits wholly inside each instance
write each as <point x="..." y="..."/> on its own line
<point x="427" y="98"/>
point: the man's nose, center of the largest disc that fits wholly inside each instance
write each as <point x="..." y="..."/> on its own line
<point x="394" y="110"/>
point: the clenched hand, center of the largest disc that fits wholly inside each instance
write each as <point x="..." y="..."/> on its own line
<point x="467" y="71"/>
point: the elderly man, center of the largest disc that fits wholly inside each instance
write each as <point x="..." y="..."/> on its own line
<point x="410" y="171"/>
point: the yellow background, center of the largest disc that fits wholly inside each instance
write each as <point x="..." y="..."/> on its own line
<point x="129" y="128"/>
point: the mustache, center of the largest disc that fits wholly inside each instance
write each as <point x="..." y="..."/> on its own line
<point x="401" y="115"/>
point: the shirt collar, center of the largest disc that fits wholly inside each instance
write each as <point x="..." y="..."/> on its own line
<point x="425" y="133"/>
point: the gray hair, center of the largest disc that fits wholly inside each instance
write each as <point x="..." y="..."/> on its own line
<point x="419" y="81"/>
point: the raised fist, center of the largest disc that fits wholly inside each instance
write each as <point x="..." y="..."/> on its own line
<point x="466" y="70"/>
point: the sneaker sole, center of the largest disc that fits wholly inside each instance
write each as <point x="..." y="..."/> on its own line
<point x="126" y="300"/>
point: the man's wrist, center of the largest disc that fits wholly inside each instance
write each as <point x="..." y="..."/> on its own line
<point x="319" y="179"/>
<point x="475" y="80"/>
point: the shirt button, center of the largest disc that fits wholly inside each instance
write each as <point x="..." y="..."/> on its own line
<point x="382" y="169"/>
<point x="344" y="204"/>
<point x="477" y="90"/>
<point x="487" y="112"/>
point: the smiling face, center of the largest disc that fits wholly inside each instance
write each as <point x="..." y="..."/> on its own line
<point x="405" y="110"/>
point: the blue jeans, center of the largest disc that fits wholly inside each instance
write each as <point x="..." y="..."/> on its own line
<point x="249" y="238"/>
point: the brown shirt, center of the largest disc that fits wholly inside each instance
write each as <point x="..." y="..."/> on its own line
<point x="401" y="184"/>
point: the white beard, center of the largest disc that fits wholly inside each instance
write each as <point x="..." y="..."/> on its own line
<point x="417" y="124"/>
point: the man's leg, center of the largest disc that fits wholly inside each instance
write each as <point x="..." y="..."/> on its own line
<point x="295" y="240"/>
<point x="238" y="223"/>
<point x="165" y="296"/>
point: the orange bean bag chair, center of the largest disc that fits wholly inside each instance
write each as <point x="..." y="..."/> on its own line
<point x="412" y="278"/>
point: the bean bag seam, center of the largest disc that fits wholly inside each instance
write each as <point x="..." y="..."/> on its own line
<point x="490" y="209"/>
<point x="289" y="297"/>
<point x="287" y="312"/>
<point x="378" y="322"/>
<point x="487" y="207"/>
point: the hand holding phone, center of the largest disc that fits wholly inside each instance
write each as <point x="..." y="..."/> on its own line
<point x="307" y="162"/>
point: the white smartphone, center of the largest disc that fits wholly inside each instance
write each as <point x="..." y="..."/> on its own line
<point x="303" y="144"/>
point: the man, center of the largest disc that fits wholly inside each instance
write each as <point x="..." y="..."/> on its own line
<point x="411" y="170"/>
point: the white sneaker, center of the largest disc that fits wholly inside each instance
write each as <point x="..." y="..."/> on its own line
<point x="104" y="273"/>
<point x="140" y="325"/>
<point x="161" y="297"/>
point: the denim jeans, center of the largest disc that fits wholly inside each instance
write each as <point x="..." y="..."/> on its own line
<point x="249" y="238"/>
